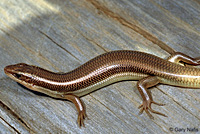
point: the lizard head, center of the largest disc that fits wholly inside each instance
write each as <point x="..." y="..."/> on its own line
<point x="21" y="72"/>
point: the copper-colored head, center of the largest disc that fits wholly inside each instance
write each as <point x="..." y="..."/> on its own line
<point x="19" y="72"/>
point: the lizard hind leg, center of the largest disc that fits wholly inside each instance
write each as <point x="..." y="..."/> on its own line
<point x="183" y="59"/>
<point x="142" y="85"/>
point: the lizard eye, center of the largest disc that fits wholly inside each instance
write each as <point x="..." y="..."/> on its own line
<point x="18" y="76"/>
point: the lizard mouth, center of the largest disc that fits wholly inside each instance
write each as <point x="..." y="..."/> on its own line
<point x="10" y="71"/>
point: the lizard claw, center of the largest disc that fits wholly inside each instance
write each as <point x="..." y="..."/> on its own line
<point x="81" y="116"/>
<point x="146" y="106"/>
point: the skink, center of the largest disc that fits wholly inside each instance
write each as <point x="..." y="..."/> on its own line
<point x="108" y="68"/>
